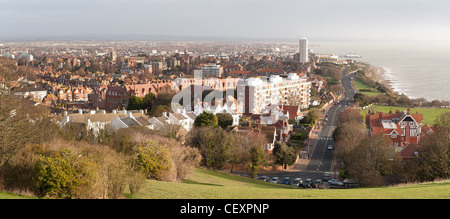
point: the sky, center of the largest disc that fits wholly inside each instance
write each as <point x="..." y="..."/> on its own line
<point x="427" y="20"/>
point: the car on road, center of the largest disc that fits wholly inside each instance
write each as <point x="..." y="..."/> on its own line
<point x="297" y="182"/>
<point x="264" y="178"/>
<point x="308" y="183"/>
<point x="326" y="176"/>
<point x="286" y="181"/>
<point x="317" y="183"/>
<point x="274" y="179"/>
<point x="335" y="182"/>
<point x="330" y="147"/>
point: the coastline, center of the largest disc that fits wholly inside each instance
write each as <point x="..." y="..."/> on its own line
<point x="381" y="77"/>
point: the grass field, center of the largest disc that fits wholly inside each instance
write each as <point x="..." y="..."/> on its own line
<point x="429" y="114"/>
<point x="205" y="184"/>
<point x="359" y="85"/>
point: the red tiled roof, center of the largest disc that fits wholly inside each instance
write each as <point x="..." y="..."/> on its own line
<point x="240" y="72"/>
<point x="270" y="70"/>
<point x="292" y="111"/>
<point x="409" y="150"/>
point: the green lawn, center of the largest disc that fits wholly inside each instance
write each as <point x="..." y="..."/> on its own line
<point x="6" y="195"/>
<point x="205" y="184"/>
<point x="429" y="114"/>
<point x="358" y="84"/>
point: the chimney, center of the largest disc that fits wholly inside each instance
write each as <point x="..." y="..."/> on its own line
<point x="114" y="111"/>
<point x="80" y="111"/>
<point x="92" y="112"/>
<point x="408" y="112"/>
<point x="165" y="114"/>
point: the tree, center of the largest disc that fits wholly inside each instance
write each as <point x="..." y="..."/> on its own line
<point x="371" y="160"/>
<point x="147" y="101"/>
<point x="433" y="157"/>
<point x="224" y="119"/>
<point x="258" y="157"/>
<point x="135" y="103"/>
<point x="206" y="119"/>
<point x="311" y="118"/>
<point x="350" y="115"/>
<point x="22" y="123"/>
<point x="215" y="144"/>
<point x="284" y="155"/>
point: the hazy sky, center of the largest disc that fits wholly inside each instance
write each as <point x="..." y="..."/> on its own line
<point x="280" y="19"/>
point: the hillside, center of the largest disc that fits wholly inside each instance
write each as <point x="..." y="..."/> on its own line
<point x="205" y="184"/>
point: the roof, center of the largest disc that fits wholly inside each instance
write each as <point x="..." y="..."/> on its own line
<point x="294" y="111"/>
<point x="409" y="151"/>
<point x="388" y="122"/>
<point x="178" y="116"/>
<point x="98" y="117"/>
<point x="240" y="72"/>
<point x="270" y="70"/>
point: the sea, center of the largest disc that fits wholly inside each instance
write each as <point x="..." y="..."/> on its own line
<point x="416" y="69"/>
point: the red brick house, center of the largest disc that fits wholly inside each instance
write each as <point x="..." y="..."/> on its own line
<point x="402" y="128"/>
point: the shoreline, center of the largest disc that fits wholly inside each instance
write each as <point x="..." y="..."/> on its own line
<point x="381" y="78"/>
<point x="378" y="73"/>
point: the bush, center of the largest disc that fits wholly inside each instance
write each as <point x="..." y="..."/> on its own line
<point x="163" y="158"/>
<point x="69" y="169"/>
<point x="64" y="173"/>
<point x="153" y="159"/>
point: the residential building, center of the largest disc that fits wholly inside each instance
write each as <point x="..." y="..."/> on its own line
<point x="303" y="50"/>
<point x="402" y="128"/>
<point x="256" y="93"/>
<point x="211" y="70"/>
<point x="101" y="121"/>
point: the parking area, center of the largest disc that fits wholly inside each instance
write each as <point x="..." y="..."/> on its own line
<point x="304" y="180"/>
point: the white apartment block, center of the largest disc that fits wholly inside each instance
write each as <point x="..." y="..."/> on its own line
<point x="303" y="50"/>
<point x="254" y="94"/>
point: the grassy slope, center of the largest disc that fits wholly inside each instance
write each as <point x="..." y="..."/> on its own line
<point x="204" y="184"/>
<point x="358" y="84"/>
<point x="429" y="114"/>
<point x="6" y="195"/>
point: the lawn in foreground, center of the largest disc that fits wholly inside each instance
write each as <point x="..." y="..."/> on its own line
<point x="206" y="184"/>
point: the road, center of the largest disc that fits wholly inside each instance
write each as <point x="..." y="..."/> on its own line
<point x="322" y="159"/>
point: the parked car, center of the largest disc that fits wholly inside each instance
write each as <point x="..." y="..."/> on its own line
<point x="274" y="179"/>
<point x="330" y="147"/>
<point x="317" y="183"/>
<point x="286" y="181"/>
<point x="326" y="176"/>
<point x="307" y="183"/>
<point x="264" y="178"/>
<point x="297" y="182"/>
<point x="335" y="182"/>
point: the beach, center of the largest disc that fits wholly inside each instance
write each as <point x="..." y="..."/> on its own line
<point x="381" y="77"/>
